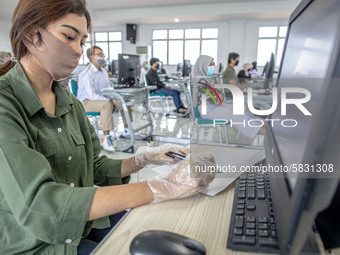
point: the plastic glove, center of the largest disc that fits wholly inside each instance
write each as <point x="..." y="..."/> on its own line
<point x="156" y="155"/>
<point x="187" y="178"/>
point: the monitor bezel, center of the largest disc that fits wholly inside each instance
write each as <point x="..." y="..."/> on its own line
<point x="297" y="210"/>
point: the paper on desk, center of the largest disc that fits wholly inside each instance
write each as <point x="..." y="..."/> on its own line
<point x="225" y="156"/>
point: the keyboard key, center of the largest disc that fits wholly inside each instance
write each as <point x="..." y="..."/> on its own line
<point x="251" y="193"/>
<point x="250" y="225"/>
<point x="243" y="240"/>
<point x="272" y="220"/>
<point x="263" y="233"/>
<point x="241" y="201"/>
<point x="242" y="188"/>
<point x="273" y="233"/>
<point x="263" y="226"/>
<point x="250" y="232"/>
<point x="238" y="231"/>
<point x="251" y="207"/>
<point x="251" y="185"/>
<point x="250" y="219"/>
<point x="259" y="186"/>
<point x="240" y="206"/>
<point x="243" y="177"/>
<point x="241" y="194"/>
<point x="238" y="222"/>
<point x="273" y="226"/>
<point x="262" y="220"/>
<point x="260" y="194"/>
<point x="240" y="212"/>
<point x="263" y="241"/>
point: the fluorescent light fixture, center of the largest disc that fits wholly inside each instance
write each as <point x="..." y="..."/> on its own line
<point x="176" y="20"/>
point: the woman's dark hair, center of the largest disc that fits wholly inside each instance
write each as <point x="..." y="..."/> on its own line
<point x="29" y="15"/>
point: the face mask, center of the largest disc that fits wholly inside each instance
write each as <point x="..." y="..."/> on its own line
<point x="58" y="59"/>
<point x="157" y="66"/>
<point x="101" y="62"/>
<point x="147" y="66"/>
<point x="236" y="63"/>
<point x="211" y="70"/>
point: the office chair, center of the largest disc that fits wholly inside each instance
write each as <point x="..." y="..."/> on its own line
<point x="93" y="116"/>
<point x="158" y="97"/>
<point x="200" y="122"/>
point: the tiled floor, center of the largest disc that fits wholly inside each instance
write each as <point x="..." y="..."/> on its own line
<point x="168" y="129"/>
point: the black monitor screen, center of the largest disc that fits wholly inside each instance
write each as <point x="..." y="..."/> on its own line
<point x="186" y="68"/>
<point x="306" y="62"/>
<point x="114" y="67"/>
<point x="128" y="69"/>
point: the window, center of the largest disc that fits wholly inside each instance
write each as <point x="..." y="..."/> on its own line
<point x="109" y="42"/>
<point x="173" y="45"/>
<point x="271" y="39"/>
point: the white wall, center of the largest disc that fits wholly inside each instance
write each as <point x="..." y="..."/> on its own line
<point x="5" y="43"/>
<point x="234" y="36"/>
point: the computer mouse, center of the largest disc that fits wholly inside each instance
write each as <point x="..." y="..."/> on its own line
<point x="159" y="242"/>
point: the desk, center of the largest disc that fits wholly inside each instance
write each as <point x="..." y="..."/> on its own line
<point x="130" y="97"/>
<point x="200" y="217"/>
<point x="205" y="219"/>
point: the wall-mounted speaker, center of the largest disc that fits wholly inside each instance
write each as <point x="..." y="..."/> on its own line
<point x="131" y="32"/>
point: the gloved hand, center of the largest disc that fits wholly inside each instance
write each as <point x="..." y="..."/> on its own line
<point x="187" y="178"/>
<point x="156" y="155"/>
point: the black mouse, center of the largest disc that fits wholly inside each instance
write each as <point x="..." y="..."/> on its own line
<point x="159" y="242"/>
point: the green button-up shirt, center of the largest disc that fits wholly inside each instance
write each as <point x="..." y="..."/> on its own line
<point x="49" y="165"/>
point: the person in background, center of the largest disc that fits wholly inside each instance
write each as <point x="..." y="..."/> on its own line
<point x="57" y="191"/>
<point x="4" y="57"/>
<point x="94" y="77"/>
<point x="202" y="72"/>
<point x="229" y="75"/>
<point x="153" y="79"/>
<point x="243" y="75"/>
<point x="253" y="71"/>
<point x="143" y="71"/>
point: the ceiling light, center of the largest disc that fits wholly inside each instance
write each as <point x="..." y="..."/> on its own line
<point x="176" y="20"/>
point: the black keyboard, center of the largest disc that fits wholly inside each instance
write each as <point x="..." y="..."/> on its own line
<point x="252" y="225"/>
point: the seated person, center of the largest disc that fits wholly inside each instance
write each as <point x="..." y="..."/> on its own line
<point x="229" y="75"/>
<point x="244" y="75"/>
<point x="253" y="71"/>
<point x="94" y="77"/>
<point x="202" y="71"/>
<point x="153" y="79"/>
<point x="143" y="71"/>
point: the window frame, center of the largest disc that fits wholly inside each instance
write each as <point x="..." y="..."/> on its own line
<point x="184" y="39"/>
<point x="277" y="38"/>
<point x="108" y="41"/>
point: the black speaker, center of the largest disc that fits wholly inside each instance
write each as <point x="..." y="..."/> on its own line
<point x="131" y="32"/>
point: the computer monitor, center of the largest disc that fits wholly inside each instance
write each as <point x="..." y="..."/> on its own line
<point x="128" y="69"/>
<point x="269" y="71"/>
<point x="265" y="69"/>
<point x="114" y="67"/>
<point x="311" y="60"/>
<point x="186" y="68"/>
<point x="179" y="67"/>
<point x="220" y="68"/>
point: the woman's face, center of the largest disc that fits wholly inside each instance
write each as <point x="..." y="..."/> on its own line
<point x="71" y="30"/>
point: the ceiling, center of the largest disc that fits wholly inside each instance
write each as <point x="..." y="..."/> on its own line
<point x="117" y="12"/>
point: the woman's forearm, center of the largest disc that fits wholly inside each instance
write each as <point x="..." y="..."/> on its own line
<point x="114" y="199"/>
<point x="129" y="167"/>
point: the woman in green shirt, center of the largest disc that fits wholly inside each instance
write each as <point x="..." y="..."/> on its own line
<point x="49" y="151"/>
